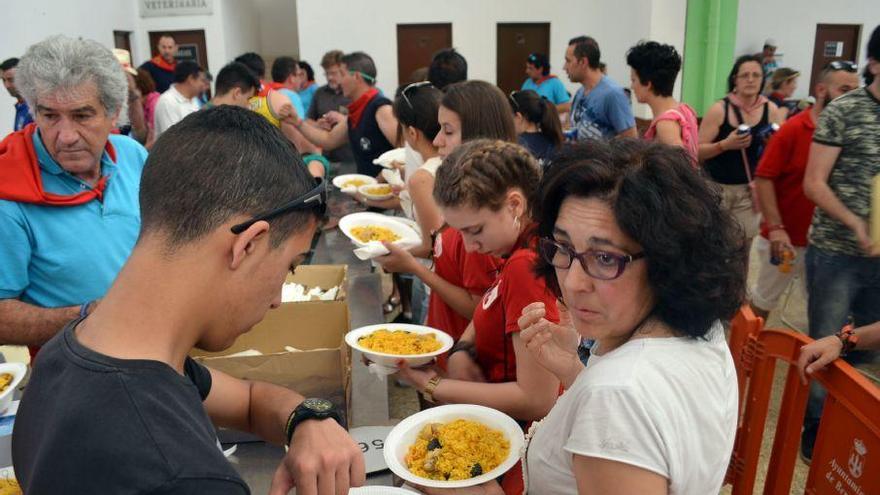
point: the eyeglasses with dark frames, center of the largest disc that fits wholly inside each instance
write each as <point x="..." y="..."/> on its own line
<point x="412" y="86"/>
<point x="843" y="65"/>
<point x="315" y="199"/>
<point x="598" y="264"/>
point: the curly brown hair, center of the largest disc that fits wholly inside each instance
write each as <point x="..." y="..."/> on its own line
<point x="479" y="174"/>
<point x="694" y="249"/>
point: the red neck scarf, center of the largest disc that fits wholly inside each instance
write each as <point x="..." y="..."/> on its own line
<point x="544" y="78"/>
<point x="20" y="178"/>
<point x="265" y="87"/>
<point x="160" y="62"/>
<point x="356" y="108"/>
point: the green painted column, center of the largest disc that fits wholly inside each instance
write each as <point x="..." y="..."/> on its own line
<point x="710" y="36"/>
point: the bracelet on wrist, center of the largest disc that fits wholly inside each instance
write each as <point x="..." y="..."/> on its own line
<point x="428" y="393"/>
<point x="848" y="339"/>
<point x="778" y="226"/>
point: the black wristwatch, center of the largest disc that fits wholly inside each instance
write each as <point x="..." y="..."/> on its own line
<point x="312" y="408"/>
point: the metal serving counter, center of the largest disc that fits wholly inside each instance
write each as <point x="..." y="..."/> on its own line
<point x="256" y="461"/>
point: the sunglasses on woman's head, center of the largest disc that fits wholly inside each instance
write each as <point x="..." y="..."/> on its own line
<point x="413" y="86"/>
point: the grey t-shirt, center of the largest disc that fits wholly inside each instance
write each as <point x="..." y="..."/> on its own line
<point x="851" y="123"/>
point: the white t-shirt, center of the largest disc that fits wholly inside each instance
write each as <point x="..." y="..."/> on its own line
<point x="171" y="108"/>
<point x="406" y="202"/>
<point x="667" y="405"/>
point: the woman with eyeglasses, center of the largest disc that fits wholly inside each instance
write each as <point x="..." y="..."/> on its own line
<point x="485" y="190"/>
<point x="729" y="156"/>
<point x="624" y="243"/>
<point x="537" y="124"/>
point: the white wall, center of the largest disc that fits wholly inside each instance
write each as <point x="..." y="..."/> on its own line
<point x="29" y="22"/>
<point x="371" y="27"/>
<point x="212" y="24"/>
<point x="793" y="26"/>
<point x="278" y="29"/>
<point x="241" y="30"/>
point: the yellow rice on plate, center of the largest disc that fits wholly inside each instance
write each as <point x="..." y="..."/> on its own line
<point x="369" y="233"/>
<point x="400" y="342"/>
<point x="458" y="450"/>
<point x="379" y="190"/>
<point x="9" y="487"/>
<point x="5" y="380"/>
<point x="353" y="183"/>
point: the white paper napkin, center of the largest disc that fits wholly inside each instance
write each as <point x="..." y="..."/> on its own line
<point x="376" y="249"/>
<point x="395" y="155"/>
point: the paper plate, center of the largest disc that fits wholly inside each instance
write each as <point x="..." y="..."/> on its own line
<point x="391" y="360"/>
<point x="408" y="236"/>
<point x="367" y="191"/>
<point x="18" y="371"/>
<point x="340" y="182"/>
<point x="396" y="155"/>
<point x="405" y="433"/>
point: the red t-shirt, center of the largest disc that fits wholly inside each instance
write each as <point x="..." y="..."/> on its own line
<point x="474" y="272"/>
<point x="495" y="318"/>
<point x="784" y="162"/>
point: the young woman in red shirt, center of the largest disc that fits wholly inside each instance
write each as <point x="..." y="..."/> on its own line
<point x="484" y="190"/>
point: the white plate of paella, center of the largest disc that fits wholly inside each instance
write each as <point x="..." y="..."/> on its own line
<point x="453" y="446"/>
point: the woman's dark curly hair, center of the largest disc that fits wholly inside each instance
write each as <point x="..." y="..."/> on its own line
<point x="694" y="251"/>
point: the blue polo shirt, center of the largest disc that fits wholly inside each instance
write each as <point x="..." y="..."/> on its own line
<point x="552" y="89"/>
<point x="55" y="256"/>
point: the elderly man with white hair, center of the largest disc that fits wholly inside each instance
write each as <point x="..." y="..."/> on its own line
<point x="69" y="214"/>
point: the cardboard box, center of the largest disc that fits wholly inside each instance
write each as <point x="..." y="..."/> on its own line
<point x="323" y="276"/>
<point x="321" y="366"/>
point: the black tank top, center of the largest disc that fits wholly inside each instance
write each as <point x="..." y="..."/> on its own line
<point x="367" y="141"/>
<point x="727" y="168"/>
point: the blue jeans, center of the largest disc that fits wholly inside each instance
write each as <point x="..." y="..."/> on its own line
<point x="840" y="287"/>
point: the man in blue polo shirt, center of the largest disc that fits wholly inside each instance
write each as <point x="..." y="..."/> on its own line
<point x="69" y="214"/>
<point x="600" y="109"/>
<point x="22" y="114"/>
<point x="544" y="83"/>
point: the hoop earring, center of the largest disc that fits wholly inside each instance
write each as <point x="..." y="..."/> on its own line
<point x="516" y="223"/>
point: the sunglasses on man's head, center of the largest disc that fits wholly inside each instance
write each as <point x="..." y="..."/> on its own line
<point x="413" y="87"/>
<point x="843" y="65"/>
<point x="316" y="200"/>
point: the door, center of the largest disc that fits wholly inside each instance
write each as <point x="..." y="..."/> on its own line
<point x="190" y="45"/>
<point x="515" y="43"/>
<point x="122" y="39"/>
<point x="834" y="42"/>
<point x="416" y="44"/>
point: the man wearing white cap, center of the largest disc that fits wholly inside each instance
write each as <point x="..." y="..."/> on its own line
<point x="768" y="57"/>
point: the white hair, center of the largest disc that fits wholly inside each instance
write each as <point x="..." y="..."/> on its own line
<point x="65" y="64"/>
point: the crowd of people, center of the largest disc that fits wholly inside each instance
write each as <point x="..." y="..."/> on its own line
<point x="585" y="272"/>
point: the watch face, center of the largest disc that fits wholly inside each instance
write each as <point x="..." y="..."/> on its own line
<point x="319" y="405"/>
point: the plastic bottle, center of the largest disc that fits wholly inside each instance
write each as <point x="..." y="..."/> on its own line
<point x="787" y="259"/>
